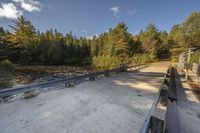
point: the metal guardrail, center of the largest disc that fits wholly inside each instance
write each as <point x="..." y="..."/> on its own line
<point x="17" y="90"/>
<point x="165" y="120"/>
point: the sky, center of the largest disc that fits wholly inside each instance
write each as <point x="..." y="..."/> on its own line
<point x="92" y="17"/>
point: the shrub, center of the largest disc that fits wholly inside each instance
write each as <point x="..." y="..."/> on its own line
<point x="73" y="61"/>
<point x="5" y="84"/>
<point x="105" y="62"/>
<point x="6" y="67"/>
<point x="195" y="57"/>
<point x="141" y="58"/>
<point x="174" y="58"/>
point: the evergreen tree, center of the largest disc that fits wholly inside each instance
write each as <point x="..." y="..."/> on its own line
<point x="191" y="28"/>
<point x="23" y="35"/>
<point x="150" y="40"/>
<point x="4" y="49"/>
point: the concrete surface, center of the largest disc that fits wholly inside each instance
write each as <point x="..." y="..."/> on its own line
<point x="188" y="108"/>
<point x="116" y="104"/>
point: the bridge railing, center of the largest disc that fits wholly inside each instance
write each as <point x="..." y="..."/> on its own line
<point x="163" y="115"/>
<point x="67" y="81"/>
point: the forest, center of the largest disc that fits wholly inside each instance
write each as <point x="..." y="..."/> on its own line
<point x="26" y="45"/>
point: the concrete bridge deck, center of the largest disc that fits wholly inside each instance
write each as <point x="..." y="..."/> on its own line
<point x="116" y="104"/>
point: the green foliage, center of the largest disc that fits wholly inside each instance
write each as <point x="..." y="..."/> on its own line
<point x="177" y="35"/>
<point x="4" y="49"/>
<point x="6" y="67"/>
<point x="117" y="46"/>
<point x="118" y="40"/>
<point x="195" y="57"/>
<point x="150" y="40"/>
<point x="5" y="84"/>
<point x="114" y="47"/>
<point x="141" y="59"/>
<point x="187" y="34"/>
<point x="174" y="58"/>
<point x="177" y="51"/>
<point x="105" y="61"/>
<point x="191" y="27"/>
<point x="23" y="35"/>
<point x="73" y="61"/>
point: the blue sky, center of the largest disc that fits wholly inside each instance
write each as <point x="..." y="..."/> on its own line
<point x="90" y="17"/>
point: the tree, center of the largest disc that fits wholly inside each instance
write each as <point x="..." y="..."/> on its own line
<point x="23" y="35"/>
<point x="191" y="27"/>
<point x="177" y="35"/>
<point x="4" y="49"/>
<point x="119" y="40"/>
<point x="150" y="40"/>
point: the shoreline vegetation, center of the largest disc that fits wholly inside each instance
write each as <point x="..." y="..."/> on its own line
<point x="53" y="51"/>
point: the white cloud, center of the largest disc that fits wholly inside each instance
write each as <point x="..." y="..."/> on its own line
<point x="115" y="10"/>
<point x="30" y="5"/>
<point x="9" y="11"/>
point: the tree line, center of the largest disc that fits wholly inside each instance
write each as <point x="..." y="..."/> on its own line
<point x="23" y="44"/>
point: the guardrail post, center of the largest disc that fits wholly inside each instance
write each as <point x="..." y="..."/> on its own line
<point x="107" y="74"/>
<point x="69" y="84"/>
<point x="30" y="94"/>
<point x="92" y="78"/>
<point x="157" y="125"/>
<point x="163" y="97"/>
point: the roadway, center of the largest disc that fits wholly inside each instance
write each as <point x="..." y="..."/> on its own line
<point x="117" y="104"/>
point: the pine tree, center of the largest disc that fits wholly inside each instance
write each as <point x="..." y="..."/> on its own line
<point x="23" y="35"/>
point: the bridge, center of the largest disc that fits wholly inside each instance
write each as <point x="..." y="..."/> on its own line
<point x="128" y="99"/>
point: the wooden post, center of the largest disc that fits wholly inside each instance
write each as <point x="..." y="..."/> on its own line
<point x="198" y="72"/>
<point x="187" y="67"/>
